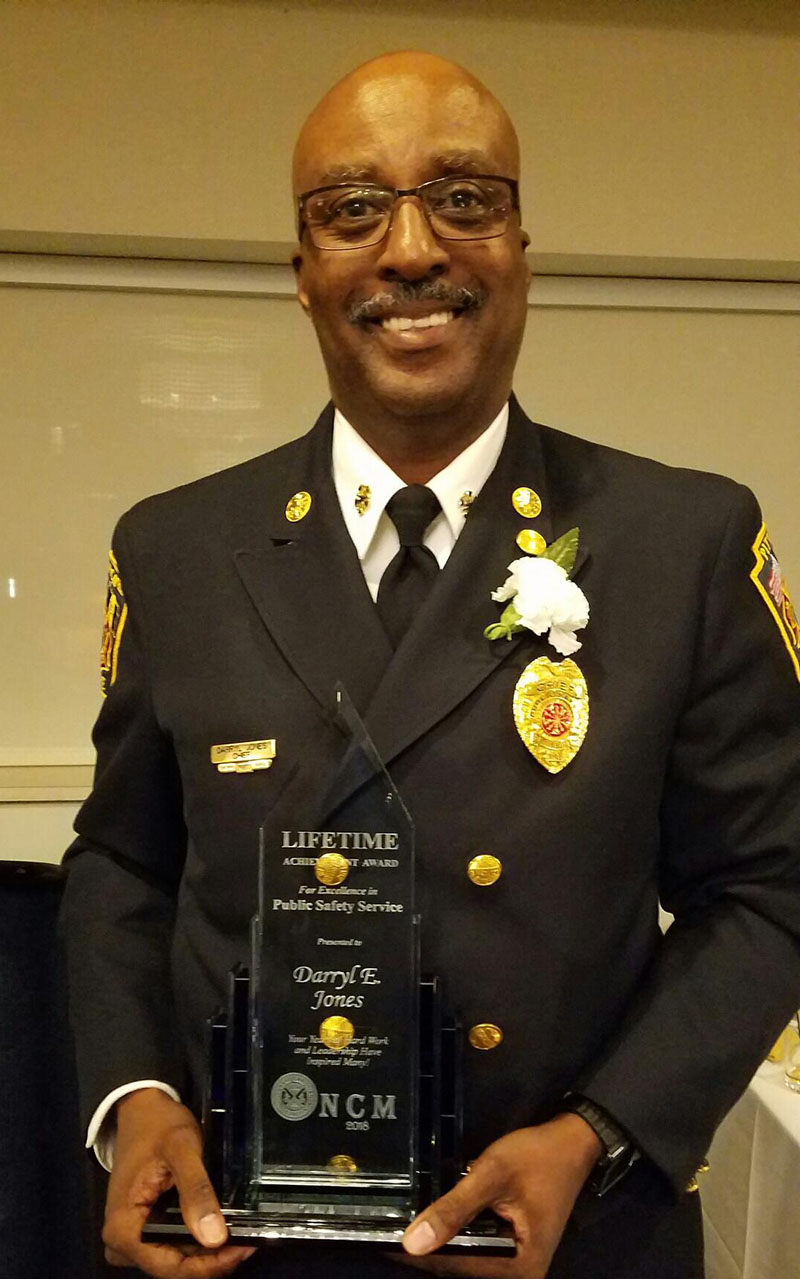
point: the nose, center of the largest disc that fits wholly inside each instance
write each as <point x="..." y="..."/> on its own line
<point x="410" y="250"/>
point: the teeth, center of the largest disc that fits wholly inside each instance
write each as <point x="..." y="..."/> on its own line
<point x="398" y="323"/>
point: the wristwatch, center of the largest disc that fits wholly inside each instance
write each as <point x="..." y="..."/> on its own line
<point x="620" y="1152"/>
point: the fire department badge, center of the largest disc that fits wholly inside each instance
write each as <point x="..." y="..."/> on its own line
<point x="551" y="711"/>
<point x="768" y="578"/>
<point x="114" y="625"/>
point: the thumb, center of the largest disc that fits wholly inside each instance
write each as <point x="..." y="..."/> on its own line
<point x="199" y="1204"/>
<point x="446" y="1216"/>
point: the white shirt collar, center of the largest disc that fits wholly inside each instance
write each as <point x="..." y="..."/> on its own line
<point x="355" y="465"/>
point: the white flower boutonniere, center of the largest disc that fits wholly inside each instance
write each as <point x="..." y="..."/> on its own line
<point x="543" y="598"/>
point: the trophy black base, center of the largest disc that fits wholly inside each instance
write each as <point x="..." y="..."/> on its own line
<point x="363" y="1224"/>
<point x="490" y="1237"/>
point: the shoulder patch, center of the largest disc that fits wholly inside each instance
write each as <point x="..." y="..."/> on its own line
<point x="768" y="579"/>
<point x="113" y="626"/>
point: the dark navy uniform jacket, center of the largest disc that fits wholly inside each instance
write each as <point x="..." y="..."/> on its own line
<point x="238" y="625"/>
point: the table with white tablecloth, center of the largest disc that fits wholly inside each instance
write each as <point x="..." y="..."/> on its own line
<point x="751" y="1194"/>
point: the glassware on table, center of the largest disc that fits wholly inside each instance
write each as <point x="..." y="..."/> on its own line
<point x="791" y="1070"/>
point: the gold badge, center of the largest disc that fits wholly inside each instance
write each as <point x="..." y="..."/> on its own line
<point x="243" y="757"/>
<point x="336" y="1033"/>
<point x="551" y="711"/>
<point x="531" y="541"/>
<point x="332" y="868"/>
<point x="485" y="1036"/>
<point x="297" y="507"/>
<point x="363" y="498"/>
<point x="342" y="1163"/>
<point x="485" y="869"/>
<point x="113" y="626"/>
<point x="465" y="502"/>
<point x="526" y="501"/>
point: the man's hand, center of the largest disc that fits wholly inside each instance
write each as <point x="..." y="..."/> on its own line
<point x="158" y="1146"/>
<point x="532" y="1178"/>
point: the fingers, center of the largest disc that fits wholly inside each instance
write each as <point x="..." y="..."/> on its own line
<point x="199" y="1204"/>
<point x="164" y="1261"/>
<point x="446" y="1216"/>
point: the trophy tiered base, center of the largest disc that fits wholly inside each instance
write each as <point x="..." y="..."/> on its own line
<point x="339" y="1215"/>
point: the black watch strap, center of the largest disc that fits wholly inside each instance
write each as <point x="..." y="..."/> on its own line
<point x="620" y="1153"/>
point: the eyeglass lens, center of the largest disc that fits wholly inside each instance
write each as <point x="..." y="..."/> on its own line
<point x="457" y="209"/>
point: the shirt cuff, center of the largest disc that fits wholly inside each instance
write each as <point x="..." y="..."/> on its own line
<point x="102" y="1131"/>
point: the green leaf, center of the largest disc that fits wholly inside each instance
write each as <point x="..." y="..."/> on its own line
<point x="509" y="618"/>
<point x="496" y="631"/>
<point x="506" y="627"/>
<point x="564" y="550"/>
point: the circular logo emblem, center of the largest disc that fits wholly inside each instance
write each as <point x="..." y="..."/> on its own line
<point x="294" y="1096"/>
<point x="556" y="718"/>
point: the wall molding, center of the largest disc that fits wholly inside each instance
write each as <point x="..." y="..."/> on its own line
<point x="44" y="783"/>
<point x="276" y="280"/>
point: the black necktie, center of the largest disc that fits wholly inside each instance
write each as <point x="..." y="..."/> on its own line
<point x="407" y="580"/>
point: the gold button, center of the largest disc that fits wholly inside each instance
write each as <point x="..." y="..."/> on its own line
<point x="485" y="1036"/>
<point x="526" y="501"/>
<point x="298" y="506"/>
<point x="692" y="1186"/>
<point x="332" y="868"/>
<point x="531" y="541"/>
<point x="342" y="1163"/>
<point x="336" y="1033"/>
<point x="704" y="1167"/>
<point x="485" y="869"/>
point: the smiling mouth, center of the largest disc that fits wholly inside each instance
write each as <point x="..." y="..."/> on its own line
<point x="401" y="323"/>
<point x="426" y="304"/>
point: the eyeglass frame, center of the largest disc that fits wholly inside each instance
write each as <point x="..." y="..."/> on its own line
<point x="399" y="194"/>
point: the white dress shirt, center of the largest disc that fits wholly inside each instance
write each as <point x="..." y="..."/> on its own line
<point x="357" y="467"/>
<point x="374" y="535"/>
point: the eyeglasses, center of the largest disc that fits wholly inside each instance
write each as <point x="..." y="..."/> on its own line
<point x="352" y="215"/>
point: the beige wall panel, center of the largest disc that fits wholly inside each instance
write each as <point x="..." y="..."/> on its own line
<point x="105" y="398"/>
<point x="35" y="832"/>
<point x="175" y="118"/>
<point x="690" y="388"/>
<point x="109" y="396"/>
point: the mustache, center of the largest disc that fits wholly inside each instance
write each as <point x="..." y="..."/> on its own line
<point x="453" y="298"/>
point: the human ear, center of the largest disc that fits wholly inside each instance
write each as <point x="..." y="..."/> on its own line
<point x="297" y="267"/>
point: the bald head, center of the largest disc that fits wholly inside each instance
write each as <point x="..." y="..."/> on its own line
<point x="349" y="132"/>
<point x="420" y="327"/>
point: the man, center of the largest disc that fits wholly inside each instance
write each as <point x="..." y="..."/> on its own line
<point x="243" y="598"/>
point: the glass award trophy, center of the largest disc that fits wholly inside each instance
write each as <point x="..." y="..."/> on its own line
<point x="333" y="1105"/>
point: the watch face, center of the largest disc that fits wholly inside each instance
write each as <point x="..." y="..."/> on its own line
<point x="612" y="1169"/>
<point x="618" y="1150"/>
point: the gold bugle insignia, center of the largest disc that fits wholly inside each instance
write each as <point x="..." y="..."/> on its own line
<point x="243" y="757"/>
<point x="526" y="501"/>
<point x="336" y="1033"/>
<point x="531" y="541"/>
<point x="332" y="868"/>
<point x="298" y="506"/>
<point x="551" y="711"/>
<point x="363" y="498"/>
